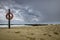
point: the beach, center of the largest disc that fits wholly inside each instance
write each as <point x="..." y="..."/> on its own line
<point x="31" y="33"/>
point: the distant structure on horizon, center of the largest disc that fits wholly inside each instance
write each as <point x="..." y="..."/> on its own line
<point x="41" y="24"/>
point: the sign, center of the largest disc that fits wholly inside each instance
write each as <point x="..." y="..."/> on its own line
<point x="9" y="16"/>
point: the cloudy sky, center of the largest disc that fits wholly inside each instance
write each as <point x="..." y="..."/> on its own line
<point x="31" y="11"/>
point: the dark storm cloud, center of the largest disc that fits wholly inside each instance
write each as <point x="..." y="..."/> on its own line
<point x="49" y="8"/>
<point x="33" y="11"/>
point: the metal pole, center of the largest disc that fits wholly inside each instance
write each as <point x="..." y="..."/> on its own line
<point x="9" y="24"/>
<point x="9" y="19"/>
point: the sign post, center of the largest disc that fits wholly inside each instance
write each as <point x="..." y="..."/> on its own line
<point x="9" y="16"/>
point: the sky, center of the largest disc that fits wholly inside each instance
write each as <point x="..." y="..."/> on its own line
<point x="31" y="11"/>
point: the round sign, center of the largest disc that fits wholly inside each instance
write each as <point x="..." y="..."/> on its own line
<point x="9" y="16"/>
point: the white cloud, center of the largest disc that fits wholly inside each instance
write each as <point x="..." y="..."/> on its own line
<point x="20" y="19"/>
<point x="35" y="19"/>
<point x="21" y="13"/>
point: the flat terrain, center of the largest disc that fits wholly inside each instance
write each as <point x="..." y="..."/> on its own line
<point x="31" y="33"/>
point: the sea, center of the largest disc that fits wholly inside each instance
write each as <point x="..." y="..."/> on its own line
<point x="13" y="25"/>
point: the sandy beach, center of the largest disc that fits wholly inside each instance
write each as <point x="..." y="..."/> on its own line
<point x="31" y="33"/>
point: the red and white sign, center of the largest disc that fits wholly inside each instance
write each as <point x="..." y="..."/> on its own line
<point x="9" y="15"/>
